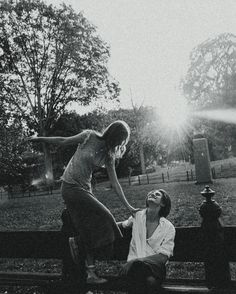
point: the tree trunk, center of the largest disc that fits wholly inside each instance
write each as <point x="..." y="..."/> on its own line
<point x="48" y="165"/>
<point x="142" y="160"/>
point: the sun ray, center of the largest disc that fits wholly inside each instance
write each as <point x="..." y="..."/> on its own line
<point x="176" y="125"/>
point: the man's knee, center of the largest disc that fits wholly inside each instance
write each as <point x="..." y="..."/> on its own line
<point x="136" y="270"/>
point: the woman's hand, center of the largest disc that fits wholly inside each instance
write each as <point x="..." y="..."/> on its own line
<point x="32" y="139"/>
<point x="133" y="210"/>
<point x="29" y="139"/>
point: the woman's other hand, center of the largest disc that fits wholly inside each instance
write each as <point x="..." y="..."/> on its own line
<point x="32" y="139"/>
<point x="29" y="139"/>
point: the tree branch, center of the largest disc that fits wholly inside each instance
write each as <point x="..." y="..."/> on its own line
<point x="13" y="100"/>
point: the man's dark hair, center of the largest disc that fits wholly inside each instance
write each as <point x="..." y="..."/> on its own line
<point x="165" y="198"/>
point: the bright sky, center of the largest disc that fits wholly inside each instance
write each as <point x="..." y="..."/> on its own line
<point x="151" y="41"/>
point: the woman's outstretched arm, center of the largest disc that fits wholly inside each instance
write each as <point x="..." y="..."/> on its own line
<point x="110" y="165"/>
<point x="50" y="140"/>
<point x="79" y="138"/>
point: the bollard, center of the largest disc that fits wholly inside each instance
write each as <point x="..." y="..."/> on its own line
<point x="139" y="181"/>
<point x="215" y="257"/>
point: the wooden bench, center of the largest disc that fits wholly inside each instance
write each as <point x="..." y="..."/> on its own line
<point x="210" y="243"/>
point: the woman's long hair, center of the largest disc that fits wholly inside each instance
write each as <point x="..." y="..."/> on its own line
<point x="116" y="136"/>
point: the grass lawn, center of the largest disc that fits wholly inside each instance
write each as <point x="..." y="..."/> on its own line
<point x="43" y="213"/>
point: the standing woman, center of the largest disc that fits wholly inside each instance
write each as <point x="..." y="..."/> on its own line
<point x="93" y="222"/>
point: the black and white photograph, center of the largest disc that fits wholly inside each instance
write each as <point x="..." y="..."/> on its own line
<point x="117" y="146"/>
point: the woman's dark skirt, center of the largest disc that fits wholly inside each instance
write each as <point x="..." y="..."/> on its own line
<point x="92" y="221"/>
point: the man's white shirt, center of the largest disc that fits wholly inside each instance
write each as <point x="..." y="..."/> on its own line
<point x="161" y="241"/>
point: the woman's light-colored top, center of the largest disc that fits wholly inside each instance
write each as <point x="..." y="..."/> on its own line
<point x="161" y="241"/>
<point x="85" y="159"/>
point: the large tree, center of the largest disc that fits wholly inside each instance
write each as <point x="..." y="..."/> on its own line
<point x="210" y="83"/>
<point x="50" y="57"/>
<point x="210" y="80"/>
<point x="11" y="149"/>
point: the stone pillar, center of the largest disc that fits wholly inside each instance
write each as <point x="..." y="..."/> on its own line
<point x="202" y="161"/>
<point x="215" y="256"/>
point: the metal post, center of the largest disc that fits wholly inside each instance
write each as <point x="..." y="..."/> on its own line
<point x="215" y="257"/>
<point x="187" y="176"/>
<point x="129" y="180"/>
<point x="163" y="178"/>
<point x="191" y="174"/>
<point x="147" y="178"/>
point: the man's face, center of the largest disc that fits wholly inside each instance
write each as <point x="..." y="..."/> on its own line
<point x="155" y="197"/>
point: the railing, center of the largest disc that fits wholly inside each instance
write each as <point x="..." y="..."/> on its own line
<point x="219" y="169"/>
<point x="162" y="177"/>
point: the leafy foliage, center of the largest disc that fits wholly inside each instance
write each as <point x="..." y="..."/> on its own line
<point x="50" y="57"/>
<point x="210" y="80"/>
<point x="210" y="84"/>
<point x="11" y="149"/>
